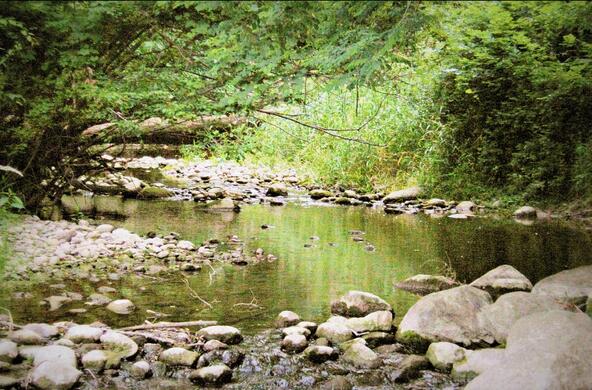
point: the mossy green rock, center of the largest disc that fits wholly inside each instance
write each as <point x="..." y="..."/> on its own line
<point x="150" y="192"/>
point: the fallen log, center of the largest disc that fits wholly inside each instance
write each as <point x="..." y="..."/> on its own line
<point x="164" y="325"/>
<point x="160" y="131"/>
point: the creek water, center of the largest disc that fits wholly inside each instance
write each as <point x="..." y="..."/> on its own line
<point x="309" y="273"/>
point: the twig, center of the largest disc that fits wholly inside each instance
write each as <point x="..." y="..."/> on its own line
<point x="163" y="325"/>
<point x="158" y="339"/>
<point x="194" y="294"/>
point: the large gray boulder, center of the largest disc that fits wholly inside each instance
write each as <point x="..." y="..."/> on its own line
<point x="502" y="280"/>
<point x="449" y="315"/>
<point x="545" y="350"/>
<point x="378" y="320"/>
<point x="335" y="332"/>
<point x="358" y="304"/>
<point x="426" y="284"/>
<point x="509" y="308"/>
<point x="574" y="285"/>
<point x="54" y="375"/>
<point x="223" y="333"/>
<point x="410" y="193"/>
<point x="359" y="355"/>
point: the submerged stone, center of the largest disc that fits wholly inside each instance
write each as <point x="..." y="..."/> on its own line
<point x="426" y="284"/>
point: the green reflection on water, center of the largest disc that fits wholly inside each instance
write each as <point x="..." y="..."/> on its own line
<point x="305" y="280"/>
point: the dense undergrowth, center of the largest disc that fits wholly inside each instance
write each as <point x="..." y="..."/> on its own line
<point x="494" y="102"/>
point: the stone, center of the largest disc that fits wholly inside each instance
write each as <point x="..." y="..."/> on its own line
<point x="436" y="202"/>
<point x="27" y="337"/>
<point x="44" y="330"/>
<point x="177" y="356"/>
<point x="121" y="306"/>
<point x="502" y="280"/>
<point x="213" y="375"/>
<point x="57" y="301"/>
<point x="320" y="354"/>
<point x="334" y="332"/>
<point x="311" y="326"/>
<point x="294" y="343"/>
<point x="545" y="350"/>
<point x="376" y="339"/>
<point x="361" y="356"/>
<point x="449" y="315"/>
<point x="150" y="192"/>
<point x="54" y="375"/>
<point x="375" y="321"/>
<point x="286" y="318"/>
<point x="84" y="334"/>
<point x="140" y="369"/>
<point x="277" y="189"/>
<point x="358" y="304"/>
<point x="337" y="383"/>
<point x="295" y="330"/>
<point x="526" y="212"/>
<point x="54" y="353"/>
<point x="104" y="228"/>
<point x="442" y="355"/>
<point x="399" y="196"/>
<point x="98" y="300"/>
<point x="409" y="369"/>
<point x="509" y="308"/>
<point x="466" y="207"/>
<point x="574" y="285"/>
<point x="226" y="334"/>
<point x="214" y="345"/>
<point x="119" y="343"/>
<point x="426" y="284"/>
<point x="8" y="351"/>
<point x="319" y="194"/>
<point x="476" y="362"/>
<point x="94" y="360"/>
<point x="185" y="245"/>
<point x="106" y="290"/>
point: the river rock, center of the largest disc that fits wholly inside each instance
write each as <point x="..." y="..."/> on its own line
<point x="151" y="192"/>
<point x="295" y="330"/>
<point x="509" y="308"/>
<point x="476" y="362"/>
<point x="336" y="333"/>
<point x="399" y="196"/>
<point x="225" y="334"/>
<point x="213" y="375"/>
<point x="84" y="334"/>
<point x="319" y="194"/>
<point x="277" y="189"/>
<point x="361" y="356"/>
<point x="338" y="382"/>
<point x="57" y="301"/>
<point x="104" y="228"/>
<point x="358" y="304"/>
<point x="98" y="300"/>
<point x="8" y="351"/>
<point x="574" y="285"/>
<point x="54" y="353"/>
<point x="545" y="350"/>
<point x="449" y="315"/>
<point x="177" y="356"/>
<point x="121" y="306"/>
<point x="106" y="290"/>
<point x="378" y="320"/>
<point x="185" y="245"/>
<point x="376" y="339"/>
<point x="502" y="280"/>
<point x="94" y="360"/>
<point x="294" y="343"/>
<point x="426" y="284"/>
<point x="44" y="330"/>
<point x="140" y="369"/>
<point x="409" y="368"/>
<point x="466" y="207"/>
<point x="26" y="336"/>
<point x="526" y="212"/>
<point x="54" y="375"/>
<point x="320" y="354"/>
<point x="214" y="345"/>
<point x="286" y="318"/>
<point x="312" y="326"/>
<point x="442" y="355"/>
<point x="120" y="343"/>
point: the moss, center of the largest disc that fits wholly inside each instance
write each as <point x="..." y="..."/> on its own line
<point x="413" y="340"/>
<point x="154" y="193"/>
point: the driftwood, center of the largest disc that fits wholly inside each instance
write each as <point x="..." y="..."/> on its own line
<point x="164" y="325"/>
<point x="157" y="130"/>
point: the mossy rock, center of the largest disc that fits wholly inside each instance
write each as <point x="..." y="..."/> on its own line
<point x="413" y="341"/>
<point x="150" y="192"/>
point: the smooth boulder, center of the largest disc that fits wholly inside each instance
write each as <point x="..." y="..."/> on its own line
<point x="426" y="284"/>
<point x="335" y="332"/>
<point x="403" y="195"/>
<point x="177" y="356"/>
<point x="54" y="375"/>
<point x="376" y="321"/>
<point x="358" y="304"/>
<point x="573" y="285"/>
<point x="286" y="318"/>
<point x="119" y="343"/>
<point x="442" y="355"/>
<point x="226" y="334"/>
<point x="502" y="280"/>
<point x="294" y="343"/>
<point x="449" y="315"/>
<point x="320" y="353"/>
<point x="84" y="334"/>
<point x="212" y="375"/>
<point x="121" y="306"/>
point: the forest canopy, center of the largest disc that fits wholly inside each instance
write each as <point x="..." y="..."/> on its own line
<point x="465" y="98"/>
